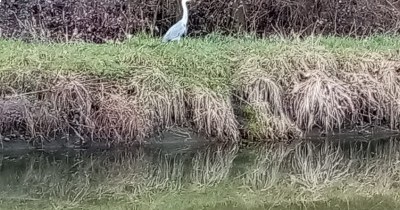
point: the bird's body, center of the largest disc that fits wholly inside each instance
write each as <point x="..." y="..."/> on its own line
<point x="180" y="28"/>
<point x="176" y="32"/>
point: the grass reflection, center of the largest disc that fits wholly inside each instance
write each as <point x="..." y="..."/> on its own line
<point x="274" y="175"/>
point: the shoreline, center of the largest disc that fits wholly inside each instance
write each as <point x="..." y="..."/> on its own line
<point x="170" y="139"/>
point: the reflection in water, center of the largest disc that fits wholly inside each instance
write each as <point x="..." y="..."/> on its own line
<point x="274" y="174"/>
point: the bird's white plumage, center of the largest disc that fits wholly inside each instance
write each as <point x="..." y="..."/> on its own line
<point x="180" y="28"/>
<point x="175" y="32"/>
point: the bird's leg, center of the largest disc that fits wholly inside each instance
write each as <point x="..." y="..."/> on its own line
<point x="180" y="43"/>
<point x="184" y="43"/>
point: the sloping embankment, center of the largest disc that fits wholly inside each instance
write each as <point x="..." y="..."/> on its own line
<point x="222" y="87"/>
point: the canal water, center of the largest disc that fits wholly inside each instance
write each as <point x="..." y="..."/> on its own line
<point x="306" y="175"/>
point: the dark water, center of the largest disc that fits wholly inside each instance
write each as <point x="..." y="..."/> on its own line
<point x="307" y="175"/>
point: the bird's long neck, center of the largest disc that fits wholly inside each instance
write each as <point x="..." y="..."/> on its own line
<point x="185" y="15"/>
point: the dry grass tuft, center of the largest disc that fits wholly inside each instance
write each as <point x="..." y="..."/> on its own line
<point x="255" y="85"/>
<point x="389" y="76"/>
<point x="267" y="117"/>
<point x="162" y="97"/>
<point x="264" y="125"/>
<point x="321" y="100"/>
<point x="70" y="104"/>
<point x="13" y="114"/>
<point x="164" y="108"/>
<point x="283" y="61"/>
<point x="26" y="81"/>
<point x="71" y="97"/>
<point x="371" y="100"/>
<point x="119" y="119"/>
<point x="169" y="104"/>
<point x="375" y="92"/>
<point x="46" y="120"/>
<point x="213" y="114"/>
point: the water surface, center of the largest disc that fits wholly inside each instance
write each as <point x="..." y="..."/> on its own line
<point x="307" y="175"/>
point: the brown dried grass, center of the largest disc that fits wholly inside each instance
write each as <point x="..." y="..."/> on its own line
<point x="96" y="112"/>
<point x="321" y="100"/>
<point x="268" y="120"/>
<point x="165" y="108"/>
<point x="71" y="97"/>
<point x="283" y="64"/>
<point x="150" y="102"/>
<point x="363" y="90"/>
<point x="376" y="91"/>
<point x="281" y="104"/>
<point x="212" y="113"/>
<point x="255" y="85"/>
<point x="265" y="125"/>
<point x="169" y="104"/>
<point x="119" y="119"/>
<point x="22" y="81"/>
<point x="13" y="114"/>
<point x="389" y="76"/>
<point x="72" y="104"/>
<point x="45" y="120"/>
<point x="163" y="98"/>
<point x="369" y="96"/>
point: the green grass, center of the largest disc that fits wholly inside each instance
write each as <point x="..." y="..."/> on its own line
<point x="208" y="62"/>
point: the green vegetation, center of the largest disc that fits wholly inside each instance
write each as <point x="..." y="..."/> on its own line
<point x="212" y="57"/>
<point x="293" y="85"/>
<point x="325" y="175"/>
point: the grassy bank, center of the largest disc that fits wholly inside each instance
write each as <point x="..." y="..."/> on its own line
<point x="270" y="89"/>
